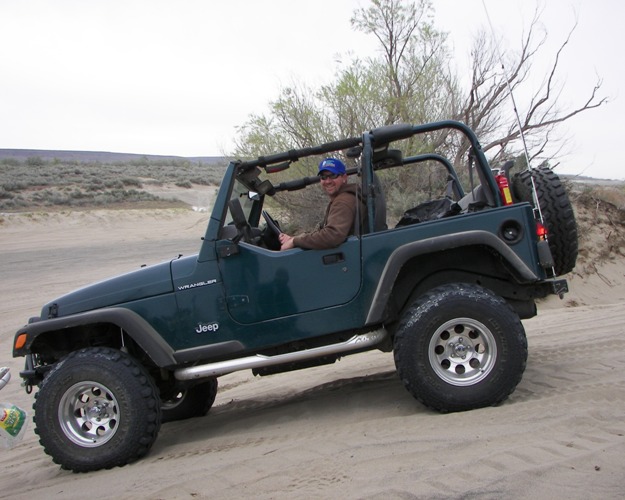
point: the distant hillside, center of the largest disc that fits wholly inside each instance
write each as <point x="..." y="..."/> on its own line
<point x="116" y="158"/>
<point x="99" y="156"/>
<point x="33" y="179"/>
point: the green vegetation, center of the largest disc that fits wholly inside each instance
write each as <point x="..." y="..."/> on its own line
<point x="39" y="183"/>
<point x="411" y="78"/>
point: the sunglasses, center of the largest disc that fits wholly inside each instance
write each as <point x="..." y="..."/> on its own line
<point x="326" y="177"/>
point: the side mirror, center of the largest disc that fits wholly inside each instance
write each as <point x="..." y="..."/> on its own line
<point x="265" y="187"/>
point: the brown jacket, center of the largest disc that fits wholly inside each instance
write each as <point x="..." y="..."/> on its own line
<point x="338" y="222"/>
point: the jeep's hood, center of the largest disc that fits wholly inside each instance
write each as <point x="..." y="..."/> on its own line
<point x="140" y="284"/>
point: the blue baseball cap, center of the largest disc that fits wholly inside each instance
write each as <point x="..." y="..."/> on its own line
<point x="332" y="165"/>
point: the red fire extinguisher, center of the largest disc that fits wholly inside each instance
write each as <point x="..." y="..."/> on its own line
<point x="504" y="188"/>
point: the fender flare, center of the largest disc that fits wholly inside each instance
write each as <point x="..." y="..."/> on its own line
<point x="439" y="243"/>
<point x="132" y="323"/>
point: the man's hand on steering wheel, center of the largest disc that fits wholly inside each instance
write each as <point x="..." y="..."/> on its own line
<point x="272" y="223"/>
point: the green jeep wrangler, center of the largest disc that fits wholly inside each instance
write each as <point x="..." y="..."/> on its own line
<point x="443" y="286"/>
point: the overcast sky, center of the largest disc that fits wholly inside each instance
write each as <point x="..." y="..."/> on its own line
<point x="177" y="77"/>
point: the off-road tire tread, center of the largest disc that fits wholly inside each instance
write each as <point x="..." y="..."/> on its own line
<point x="417" y="376"/>
<point x="557" y="212"/>
<point x="143" y="394"/>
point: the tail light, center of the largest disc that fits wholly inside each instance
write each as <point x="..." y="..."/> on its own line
<point x="541" y="230"/>
<point x="544" y="252"/>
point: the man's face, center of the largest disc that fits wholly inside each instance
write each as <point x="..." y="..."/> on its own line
<point x="331" y="183"/>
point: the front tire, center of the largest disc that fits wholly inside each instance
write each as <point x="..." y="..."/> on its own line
<point x="460" y="347"/>
<point x="96" y="409"/>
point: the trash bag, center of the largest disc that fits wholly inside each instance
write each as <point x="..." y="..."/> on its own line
<point x="430" y="210"/>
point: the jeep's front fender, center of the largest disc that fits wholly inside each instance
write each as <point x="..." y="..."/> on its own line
<point x="404" y="253"/>
<point x="129" y="321"/>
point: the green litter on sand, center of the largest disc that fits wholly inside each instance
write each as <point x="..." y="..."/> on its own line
<point x="12" y="424"/>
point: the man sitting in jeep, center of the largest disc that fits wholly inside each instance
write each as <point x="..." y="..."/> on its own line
<point x="341" y="212"/>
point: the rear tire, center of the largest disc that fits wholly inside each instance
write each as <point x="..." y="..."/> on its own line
<point x="188" y="403"/>
<point x="96" y="409"/>
<point x="557" y="212"/>
<point x="460" y="347"/>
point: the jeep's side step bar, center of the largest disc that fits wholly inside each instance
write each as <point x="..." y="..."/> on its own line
<point x="356" y="343"/>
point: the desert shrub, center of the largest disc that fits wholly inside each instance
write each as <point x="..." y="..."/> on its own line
<point x="153" y="182"/>
<point x="95" y="185"/>
<point x="131" y="181"/>
<point x="613" y="195"/>
<point x="114" y="184"/>
<point x="116" y="196"/>
<point x="143" y="161"/>
<point x="77" y="194"/>
<point x="35" y="161"/>
<point x="15" y="203"/>
<point x="200" y="181"/>
<point x="14" y="186"/>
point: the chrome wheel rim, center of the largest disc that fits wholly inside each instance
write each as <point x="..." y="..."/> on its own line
<point x="462" y="351"/>
<point x="89" y="414"/>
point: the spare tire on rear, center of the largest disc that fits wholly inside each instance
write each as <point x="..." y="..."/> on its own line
<point x="556" y="210"/>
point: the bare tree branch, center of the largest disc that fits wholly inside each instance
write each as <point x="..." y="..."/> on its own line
<point x="489" y="90"/>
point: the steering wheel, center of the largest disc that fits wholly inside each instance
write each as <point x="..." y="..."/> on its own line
<point x="271" y="223"/>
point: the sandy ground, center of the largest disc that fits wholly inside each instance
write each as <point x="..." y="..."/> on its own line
<point x="349" y="430"/>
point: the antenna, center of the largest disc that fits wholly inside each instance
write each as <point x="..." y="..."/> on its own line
<point x="516" y="114"/>
<point x="503" y="69"/>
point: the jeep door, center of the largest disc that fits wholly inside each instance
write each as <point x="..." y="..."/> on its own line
<point x="262" y="284"/>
